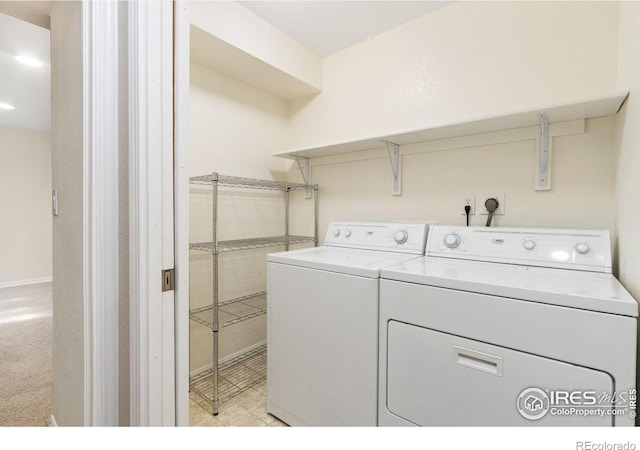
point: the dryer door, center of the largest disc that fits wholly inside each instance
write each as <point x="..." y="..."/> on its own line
<point x="438" y="379"/>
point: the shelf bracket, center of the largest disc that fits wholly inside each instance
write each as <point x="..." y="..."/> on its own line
<point x="543" y="181"/>
<point x="305" y="170"/>
<point x="394" y="157"/>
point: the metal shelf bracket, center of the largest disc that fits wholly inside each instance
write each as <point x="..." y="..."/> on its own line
<point x="394" y="157"/>
<point x="543" y="181"/>
<point x="305" y="171"/>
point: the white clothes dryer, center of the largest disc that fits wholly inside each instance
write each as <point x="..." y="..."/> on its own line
<point x="322" y="323"/>
<point x="507" y="326"/>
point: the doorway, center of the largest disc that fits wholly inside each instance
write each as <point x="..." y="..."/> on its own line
<point x="26" y="304"/>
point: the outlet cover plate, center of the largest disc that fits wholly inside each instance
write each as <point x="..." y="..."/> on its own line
<point x="468" y="199"/>
<point x="482" y="198"/>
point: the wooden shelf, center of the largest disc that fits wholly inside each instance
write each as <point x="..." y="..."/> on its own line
<point x="585" y="109"/>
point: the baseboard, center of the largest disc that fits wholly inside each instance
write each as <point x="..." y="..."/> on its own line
<point x="226" y="358"/>
<point x="53" y="421"/>
<point x="7" y="284"/>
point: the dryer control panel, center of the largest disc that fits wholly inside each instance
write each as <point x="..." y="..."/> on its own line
<point x="401" y="237"/>
<point x="575" y="249"/>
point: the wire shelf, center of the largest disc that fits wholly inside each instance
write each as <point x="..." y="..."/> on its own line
<point x="232" y="311"/>
<point x="250" y="369"/>
<point x="234" y="376"/>
<point x="247" y="244"/>
<point x="225" y="180"/>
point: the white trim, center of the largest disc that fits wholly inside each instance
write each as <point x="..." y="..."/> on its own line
<point x="206" y="367"/>
<point x="165" y="186"/>
<point x="54" y="422"/>
<point x="146" y="148"/>
<point x="181" y="182"/>
<point x="8" y="284"/>
<point x="100" y="212"/>
<point x="138" y="259"/>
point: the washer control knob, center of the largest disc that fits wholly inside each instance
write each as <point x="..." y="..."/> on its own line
<point x="583" y="248"/>
<point x="401" y="236"/>
<point x="336" y="232"/>
<point x="529" y="244"/>
<point x="452" y="240"/>
<point x="347" y="233"/>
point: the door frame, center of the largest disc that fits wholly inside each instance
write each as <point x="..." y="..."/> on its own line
<point x="100" y="183"/>
<point x="100" y="213"/>
<point x="156" y="396"/>
<point x="150" y="107"/>
<point x="181" y="207"/>
<point x="100" y="187"/>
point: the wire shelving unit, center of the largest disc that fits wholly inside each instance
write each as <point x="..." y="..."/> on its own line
<point x="224" y="381"/>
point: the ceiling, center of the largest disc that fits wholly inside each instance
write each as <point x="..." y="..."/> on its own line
<point x="27" y="88"/>
<point x="326" y="27"/>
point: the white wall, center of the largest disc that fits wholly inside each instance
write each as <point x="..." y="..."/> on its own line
<point x="628" y="150"/>
<point x="464" y="61"/>
<point x="627" y="145"/>
<point x="67" y="167"/>
<point x="233" y="130"/>
<point x="25" y="196"/>
<point x="436" y="176"/>
<point x="244" y="30"/>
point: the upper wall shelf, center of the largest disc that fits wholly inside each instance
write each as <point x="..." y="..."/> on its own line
<point x="224" y="58"/>
<point x="586" y="109"/>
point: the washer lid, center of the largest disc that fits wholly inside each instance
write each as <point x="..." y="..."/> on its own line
<point x="363" y="263"/>
<point x="570" y="288"/>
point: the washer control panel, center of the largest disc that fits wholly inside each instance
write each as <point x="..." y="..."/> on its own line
<point x="560" y="248"/>
<point x="402" y="237"/>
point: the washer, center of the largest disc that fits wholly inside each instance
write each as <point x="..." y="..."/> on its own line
<point x="322" y="319"/>
<point x="507" y="326"/>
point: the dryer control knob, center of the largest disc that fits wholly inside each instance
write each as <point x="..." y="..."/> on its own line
<point x="336" y="232"/>
<point x="401" y="236"/>
<point x="452" y="240"/>
<point x="583" y="248"/>
<point x="529" y="244"/>
<point x="347" y="233"/>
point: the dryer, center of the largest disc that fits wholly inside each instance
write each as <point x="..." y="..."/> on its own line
<point x="507" y="326"/>
<point x="322" y="322"/>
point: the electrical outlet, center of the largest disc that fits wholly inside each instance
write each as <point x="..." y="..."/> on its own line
<point x="482" y="198"/>
<point x="468" y="199"/>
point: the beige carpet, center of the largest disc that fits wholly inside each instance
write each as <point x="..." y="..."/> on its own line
<point x="25" y="355"/>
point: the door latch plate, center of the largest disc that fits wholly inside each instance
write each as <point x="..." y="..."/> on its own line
<point x="168" y="277"/>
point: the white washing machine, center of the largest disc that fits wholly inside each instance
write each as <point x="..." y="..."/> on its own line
<point x="507" y="326"/>
<point x="322" y="323"/>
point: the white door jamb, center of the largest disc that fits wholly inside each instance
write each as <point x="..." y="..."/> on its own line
<point x="181" y="175"/>
<point x="100" y="212"/>
<point x="149" y="107"/>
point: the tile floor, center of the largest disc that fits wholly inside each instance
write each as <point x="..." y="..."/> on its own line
<point x="245" y="410"/>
